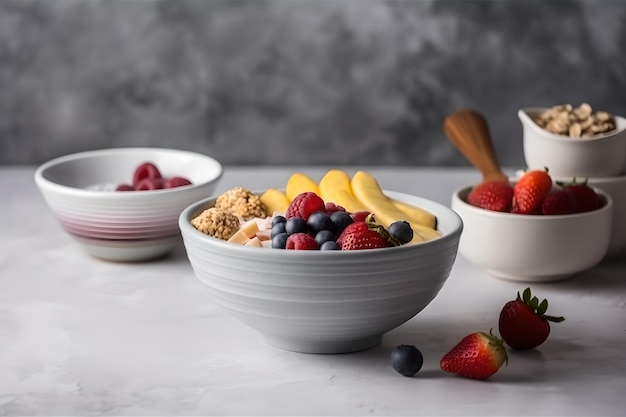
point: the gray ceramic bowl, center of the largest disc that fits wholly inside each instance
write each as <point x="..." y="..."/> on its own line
<point x="324" y="301"/>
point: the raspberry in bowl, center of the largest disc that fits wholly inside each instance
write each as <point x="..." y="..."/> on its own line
<point x="323" y="301"/>
<point x="547" y="232"/>
<point x="122" y="204"/>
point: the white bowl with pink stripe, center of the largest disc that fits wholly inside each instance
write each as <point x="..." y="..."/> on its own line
<point x="131" y="225"/>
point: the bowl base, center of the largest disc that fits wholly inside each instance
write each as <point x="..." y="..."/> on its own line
<point x="529" y="278"/>
<point x="130" y="251"/>
<point x="327" y="347"/>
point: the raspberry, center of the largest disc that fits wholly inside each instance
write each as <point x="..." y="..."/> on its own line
<point x="304" y="205"/>
<point x="301" y="241"/>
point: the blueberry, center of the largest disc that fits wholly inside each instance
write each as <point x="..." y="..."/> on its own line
<point x="329" y="245"/>
<point x="406" y="359"/>
<point x="278" y="219"/>
<point x="340" y="220"/>
<point x="319" y="221"/>
<point x="402" y="231"/>
<point x="279" y="241"/>
<point x="277" y="229"/>
<point x="296" y="225"/>
<point x="324" y="236"/>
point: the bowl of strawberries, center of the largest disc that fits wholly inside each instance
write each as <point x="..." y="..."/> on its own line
<point x="317" y="278"/>
<point x="533" y="228"/>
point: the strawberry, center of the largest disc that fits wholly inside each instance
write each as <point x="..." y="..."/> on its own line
<point x="523" y="323"/>
<point x="478" y="355"/>
<point x="301" y="241"/>
<point x="360" y="216"/>
<point x="305" y="204"/>
<point x="365" y="235"/>
<point x="559" y="202"/>
<point x="586" y="197"/>
<point x="530" y="191"/>
<point x="492" y="195"/>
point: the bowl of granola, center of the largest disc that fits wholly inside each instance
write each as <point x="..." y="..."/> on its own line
<point x="122" y="204"/>
<point x="574" y="141"/>
<point x="319" y="301"/>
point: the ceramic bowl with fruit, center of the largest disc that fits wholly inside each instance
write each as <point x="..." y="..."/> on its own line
<point x="307" y="295"/>
<point x="123" y="204"/>
<point x="574" y="142"/>
<point x="616" y="188"/>
<point x="532" y="230"/>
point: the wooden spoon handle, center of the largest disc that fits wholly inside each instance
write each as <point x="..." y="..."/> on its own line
<point x="469" y="132"/>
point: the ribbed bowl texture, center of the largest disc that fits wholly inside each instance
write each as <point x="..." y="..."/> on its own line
<point x="324" y="301"/>
<point x="130" y="225"/>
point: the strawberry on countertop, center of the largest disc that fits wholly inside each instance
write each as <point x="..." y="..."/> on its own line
<point x="478" y="355"/>
<point x="523" y="323"/>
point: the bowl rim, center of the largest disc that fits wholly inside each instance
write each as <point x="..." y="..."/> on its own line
<point x="457" y="199"/>
<point x="43" y="182"/>
<point x="524" y="116"/>
<point x="190" y="232"/>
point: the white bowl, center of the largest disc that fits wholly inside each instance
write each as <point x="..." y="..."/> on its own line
<point x="616" y="188"/>
<point x="130" y="225"/>
<point x="324" y="301"/>
<point x="533" y="248"/>
<point x="599" y="156"/>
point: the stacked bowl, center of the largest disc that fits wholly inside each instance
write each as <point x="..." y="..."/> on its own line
<point x="128" y="226"/>
<point x="599" y="159"/>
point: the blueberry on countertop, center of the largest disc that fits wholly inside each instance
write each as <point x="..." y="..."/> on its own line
<point x="406" y="360"/>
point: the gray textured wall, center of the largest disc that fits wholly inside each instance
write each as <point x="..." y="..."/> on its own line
<point x="288" y="82"/>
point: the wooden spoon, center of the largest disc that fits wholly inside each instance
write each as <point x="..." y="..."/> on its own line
<point x="469" y="132"/>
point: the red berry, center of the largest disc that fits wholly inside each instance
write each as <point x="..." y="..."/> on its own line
<point x="145" y="170"/>
<point x="478" y="355"/>
<point x="332" y="207"/>
<point x="304" y="205"/>
<point x="523" y="323"/>
<point x="360" y="216"/>
<point x="363" y="235"/>
<point x="301" y="241"/>
<point x="149" y="184"/>
<point x="175" y="182"/>
<point x="125" y="187"/>
<point x="492" y="195"/>
<point x="558" y="202"/>
<point x="585" y="196"/>
<point x="530" y="191"/>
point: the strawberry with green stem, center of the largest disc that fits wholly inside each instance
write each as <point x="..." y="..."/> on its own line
<point x="523" y="322"/>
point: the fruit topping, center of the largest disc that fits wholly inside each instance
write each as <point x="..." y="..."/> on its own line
<point x="478" y="355"/>
<point x="365" y="235"/>
<point x="305" y="204"/>
<point x="407" y="360"/>
<point x="301" y="241"/>
<point x="402" y="231"/>
<point x="523" y="323"/>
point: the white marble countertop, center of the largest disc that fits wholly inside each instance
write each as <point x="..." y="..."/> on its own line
<point x="81" y="336"/>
